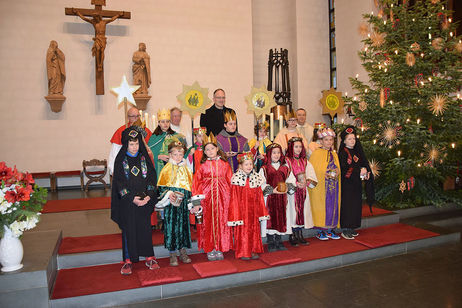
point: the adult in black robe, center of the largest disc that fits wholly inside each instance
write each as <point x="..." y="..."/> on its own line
<point x="352" y="160"/>
<point x="134" y="175"/>
<point x="213" y="119"/>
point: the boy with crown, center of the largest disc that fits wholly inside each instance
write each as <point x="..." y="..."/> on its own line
<point x="289" y="132"/>
<point x="315" y="143"/>
<point x="161" y="138"/>
<point x="247" y="208"/>
<point x="195" y="151"/>
<point x="260" y="143"/>
<point x="325" y="197"/>
<point x="230" y="141"/>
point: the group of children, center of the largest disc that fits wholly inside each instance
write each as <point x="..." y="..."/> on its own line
<point x="238" y="191"/>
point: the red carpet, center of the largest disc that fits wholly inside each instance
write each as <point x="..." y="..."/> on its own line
<point x="216" y="268"/>
<point x="159" y="276"/>
<point x="84" y="204"/>
<point x="107" y="278"/>
<point x="375" y="211"/>
<point x="279" y="258"/>
<point x="104" y="242"/>
<point x="391" y="234"/>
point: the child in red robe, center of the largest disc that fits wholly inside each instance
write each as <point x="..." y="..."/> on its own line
<point x="247" y="209"/>
<point x="211" y="194"/>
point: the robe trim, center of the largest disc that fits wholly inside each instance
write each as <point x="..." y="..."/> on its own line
<point x="165" y="201"/>
<point x="197" y="197"/>
<point x="123" y="192"/>
<point x="240" y="178"/>
<point x="235" y="223"/>
<point x="266" y="217"/>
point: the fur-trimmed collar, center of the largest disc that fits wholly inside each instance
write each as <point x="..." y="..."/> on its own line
<point x="240" y="177"/>
<point x="181" y="163"/>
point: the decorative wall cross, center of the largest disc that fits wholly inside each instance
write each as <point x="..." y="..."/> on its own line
<point x="99" y="23"/>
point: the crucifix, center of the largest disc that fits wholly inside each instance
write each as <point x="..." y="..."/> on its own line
<point x="99" y="24"/>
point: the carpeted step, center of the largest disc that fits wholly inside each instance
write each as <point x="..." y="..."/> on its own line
<point x="107" y="278"/>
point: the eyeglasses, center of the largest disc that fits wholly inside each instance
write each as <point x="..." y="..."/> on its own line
<point x="220" y="97"/>
<point x="134" y="116"/>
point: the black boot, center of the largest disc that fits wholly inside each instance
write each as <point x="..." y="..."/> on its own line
<point x="278" y="242"/>
<point x="293" y="239"/>
<point x="270" y="242"/>
<point x="300" y="237"/>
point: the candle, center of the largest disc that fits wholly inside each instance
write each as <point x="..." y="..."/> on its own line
<point x="141" y="114"/>
<point x="146" y="119"/>
<point x="154" y="123"/>
<point x="280" y="122"/>
<point x="271" y="126"/>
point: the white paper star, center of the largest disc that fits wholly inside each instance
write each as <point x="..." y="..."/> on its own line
<point x="125" y="91"/>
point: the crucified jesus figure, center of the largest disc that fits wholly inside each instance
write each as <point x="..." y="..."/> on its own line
<point x="100" y="35"/>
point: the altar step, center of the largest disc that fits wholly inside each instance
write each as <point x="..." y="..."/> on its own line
<point x="73" y="260"/>
<point x="75" y="287"/>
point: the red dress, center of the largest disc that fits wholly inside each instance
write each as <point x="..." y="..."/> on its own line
<point x="212" y="181"/>
<point x="246" y="210"/>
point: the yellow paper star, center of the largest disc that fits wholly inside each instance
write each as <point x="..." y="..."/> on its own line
<point x="260" y="101"/>
<point x="194" y="99"/>
<point x="125" y="91"/>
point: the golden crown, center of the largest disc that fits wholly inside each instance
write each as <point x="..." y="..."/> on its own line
<point x="230" y="116"/>
<point x="320" y="125"/>
<point x="264" y="125"/>
<point x="244" y="156"/>
<point x="208" y="139"/>
<point x="291" y="115"/>
<point x="163" y="114"/>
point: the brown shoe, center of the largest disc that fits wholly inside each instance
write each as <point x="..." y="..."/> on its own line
<point x="173" y="259"/>
<point x="184" y="256"/>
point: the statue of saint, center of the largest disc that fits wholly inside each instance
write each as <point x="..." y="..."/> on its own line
<point x="100" y="35"/>
<point x="55" y="69"/>
<point x="141" y="69"/>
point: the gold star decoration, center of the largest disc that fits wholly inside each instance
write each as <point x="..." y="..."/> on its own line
<point x="415" y="46"/>
<point x="438" y="104"/>
<point x="260" y="101"/>
<point x="194" y="99"/>
<point x="363" y="29"/>
<point x="362" y="105"/>
<point x="438" y="43"/>
<point x="402" y="187"/>
<point x="390" y="134"/>
<point x="332" y="102"/>
<point x="377" y="38"/>
<point x="124" y="91"/>
<point x="434" y="154"/>
<point x="375" y="167"/>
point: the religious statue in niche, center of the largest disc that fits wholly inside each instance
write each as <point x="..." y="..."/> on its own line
<point x="56" y="75"/>
<point x="99" y="44"/>
<point x="141" y="76"/>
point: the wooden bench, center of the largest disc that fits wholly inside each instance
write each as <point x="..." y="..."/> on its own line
<point x="46" y="175"/>
<point x="59" y="174"/>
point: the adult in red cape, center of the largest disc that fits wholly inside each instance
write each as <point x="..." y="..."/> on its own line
<point x="133" y="115"/>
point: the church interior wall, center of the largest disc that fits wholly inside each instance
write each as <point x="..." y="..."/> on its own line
<point x="213" y="42"/>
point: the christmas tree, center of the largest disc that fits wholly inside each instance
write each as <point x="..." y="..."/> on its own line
<point x="408" y="112"/>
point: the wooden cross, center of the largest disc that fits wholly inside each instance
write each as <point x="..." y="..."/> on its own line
<point x="99" y="24"/>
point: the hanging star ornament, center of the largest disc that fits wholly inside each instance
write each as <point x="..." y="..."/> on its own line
<point x="362" y="105"/>
<point x="375" y="167"/>
<point x="402" y="187"/>
<point x="390" y="134"/>
<point x="438" y="104"/>
<point x="260" y="101"/>
<point x="125" y="91"/>
<point x="194" y="99"/>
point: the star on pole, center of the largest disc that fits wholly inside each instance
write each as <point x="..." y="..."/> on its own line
<point x="124" y="92"/>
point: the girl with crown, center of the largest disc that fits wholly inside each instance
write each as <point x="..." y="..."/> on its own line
<point x="301" y="177"/>
<point x="325" y="197"/>
<point x="211" y="195"/>
<point x="315" y="142"/>
<point x="247" y="209"/>
<point x="289" y="132"/>
<point x="230" y="141"/>
<point x="274" y="173"/>
<point x="260" y="143"/>
<point x="175" y="181"/>
<point x="354" y="169"/>
<point x="161" y="138"/>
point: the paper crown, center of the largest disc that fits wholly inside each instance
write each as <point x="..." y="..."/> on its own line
<point x="175" y="144"/>
<point x="320" y="125"/>
<point x="244" y="156"/>
<point x="208" y="139"/>
<point x="272" y="146"/>
<point x="230" y="116"/>
<point x="163" y="114"/>
<point x="325" y="132"/>
<point x="290" y="115"/>
<point x="263" y="125"/>
<point x="200" y="130"/>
